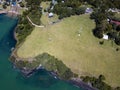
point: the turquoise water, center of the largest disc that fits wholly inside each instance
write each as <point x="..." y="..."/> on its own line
<point x="11" y="78"/>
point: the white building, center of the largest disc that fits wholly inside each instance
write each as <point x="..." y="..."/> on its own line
<point x="88" y="10"/>
<point x="105" y="37"/>
<point x="51" y="14"/>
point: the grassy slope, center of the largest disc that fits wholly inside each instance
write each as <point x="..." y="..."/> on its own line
<point x="81" y="53"/>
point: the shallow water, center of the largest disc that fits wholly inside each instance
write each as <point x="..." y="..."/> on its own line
<point x="11" y="78"/>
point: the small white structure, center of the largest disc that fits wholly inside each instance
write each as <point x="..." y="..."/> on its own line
<point x="50" y="14"/>
<point x="63" y="1"/>
<point x="88" y="10"/>
<point x="54" y="2"/>
<point x="108" y="20"/>
<point x="52" y="7"/>
<point x="105" y="36"/>
<point x="78" y="34"/>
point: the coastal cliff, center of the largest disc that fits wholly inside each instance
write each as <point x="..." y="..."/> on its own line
<point x="56" y="68"/>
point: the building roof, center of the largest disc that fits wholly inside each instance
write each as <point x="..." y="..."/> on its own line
<point x="50" y="14"/>
<point x="105" y="36"/>
<point x="115" y="22"/>
<point x="89" y="10"/>
<point x="13" y="3"/>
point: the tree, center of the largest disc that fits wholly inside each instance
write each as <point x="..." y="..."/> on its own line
<point x="4" y="6"/>
<point x="117" y="40"/>
<point x="101" y="42"/>
<point x="99" y="30"/>
<point x="86" y="79"/>
<point x="105" y="26"/>
<point x="112" y="35"/>
<point x="117" y="88"/>
<point x="101" y="77"/>
<point x="21" y="4"/>
<point x="80" y="10"/>
<point x="98" y="33"/>
<point x="67" y="74"/>
<point x="118" y="28"/>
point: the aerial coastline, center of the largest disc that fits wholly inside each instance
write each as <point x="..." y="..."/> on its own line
<point x="30" y="25"/>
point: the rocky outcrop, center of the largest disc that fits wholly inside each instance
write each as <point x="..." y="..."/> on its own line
<point x="27" y="72"/>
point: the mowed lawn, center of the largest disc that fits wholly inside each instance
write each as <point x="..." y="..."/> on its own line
<point x="72" y="41"/>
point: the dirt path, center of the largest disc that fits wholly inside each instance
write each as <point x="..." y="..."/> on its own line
<point x="34" y="24"/>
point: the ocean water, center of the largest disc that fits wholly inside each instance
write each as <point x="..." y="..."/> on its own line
<point x="11" y="78"/>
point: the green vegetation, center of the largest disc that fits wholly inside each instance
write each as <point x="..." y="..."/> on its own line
<point x="45" y="20"/>
<point x="101" y="14"/>
<point x="4" y="6"/>
<point x="71" y="40"/>
<point x="104" y="3"/>
<point x="34" y="10"/>
<point x="22" y="4"/>
<point x="51" y="63"/>
<point x="116" y="16"/>
<point x="97" y="82"/>
<point x="23" y="29"/>
<point x="21" y="64"/>
<point x="68" y="8"/>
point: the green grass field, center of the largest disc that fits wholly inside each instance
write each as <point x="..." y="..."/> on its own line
<point x="72" y="41"/>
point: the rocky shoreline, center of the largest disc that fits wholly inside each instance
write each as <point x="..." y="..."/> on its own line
<point x="79" y="83"/>
<point x="27" y="72"/>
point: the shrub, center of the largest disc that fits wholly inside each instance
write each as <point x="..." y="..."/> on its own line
<point x="101" y="42"/>
<point x="51" y="63"/>
<point x="4" y="6"/>
<point x="117" y="49"/>
<point x="117" y="40"/>
<point x="21" y="4"/>
<point x="21" y="64"/>
<point x="98" y="33"/>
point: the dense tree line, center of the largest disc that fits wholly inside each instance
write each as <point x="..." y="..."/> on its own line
<point x="34" y="10"/>
<point x="51" y="63"/>
<point x="101" y="15"/>
<point x="23" y="29"/>
<point x="68" y="8"/>
<point x="98" y="82"/>
<point x="105" y="3"/>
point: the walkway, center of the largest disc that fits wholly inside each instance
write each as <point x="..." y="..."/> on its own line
<point x="34" y="24"/>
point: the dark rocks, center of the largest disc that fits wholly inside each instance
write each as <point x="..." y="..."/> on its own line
<point x="80" y="83"/>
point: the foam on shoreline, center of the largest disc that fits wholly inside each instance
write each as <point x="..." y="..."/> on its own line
<point x="3" y="12"/>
